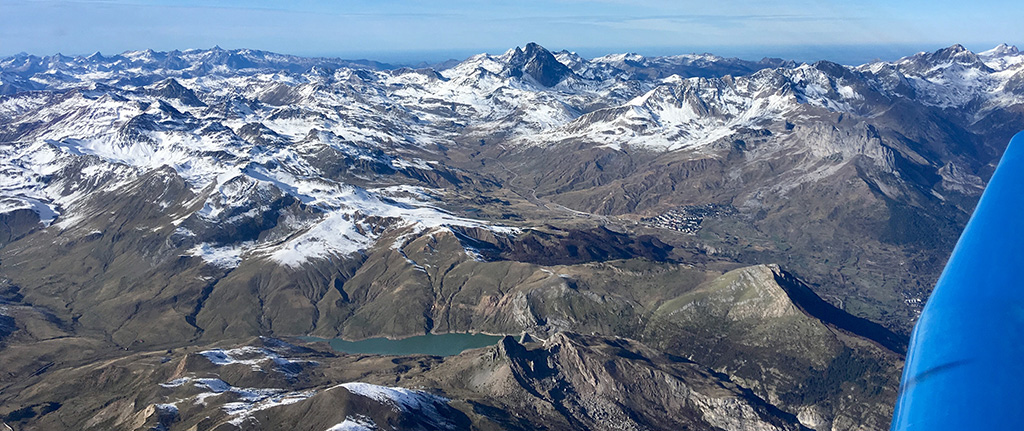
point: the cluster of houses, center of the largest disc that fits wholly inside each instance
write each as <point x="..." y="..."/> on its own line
<point x="687" y="219"/>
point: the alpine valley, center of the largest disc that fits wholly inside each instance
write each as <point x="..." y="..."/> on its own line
<point x="688" y="242"/>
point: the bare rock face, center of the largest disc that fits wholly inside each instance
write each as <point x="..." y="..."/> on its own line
<point x="15" y="224"/>
<point x="538" y="63"/>
<point x="171" y="89"/>
<point x="613" y="383"/>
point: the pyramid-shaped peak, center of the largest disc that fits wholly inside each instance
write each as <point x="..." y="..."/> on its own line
<point x="170" y="83"/>
<point x="534" y="47"/>
<point x="535" y="61"/>
<point x="529" y="50"/>
<point x="170" y="88"/>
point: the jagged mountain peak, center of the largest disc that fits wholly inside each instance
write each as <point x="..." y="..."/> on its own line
<point x="169" y="84"/>
<point x="144" y="55"/>
<point x="170" y="88"/>
<point x="831" y="67"/>
<point x="530" y="49"/>
<point x="951" y="76"/>
<point x="1001" y="50"/>
<point x="537" y="62"/>
<point x="57" y="60"/>
<point x="629" y="58"/>
<point x="956" y="47"/>
<point x="955" y="54"/>
<point x="776" y="62"/>
<point x="571" y="59"/>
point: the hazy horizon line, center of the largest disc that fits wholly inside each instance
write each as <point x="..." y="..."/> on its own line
<point x="851" y="54"/>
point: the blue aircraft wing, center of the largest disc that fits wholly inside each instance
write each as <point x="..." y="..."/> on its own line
<point x="965" y="365"/>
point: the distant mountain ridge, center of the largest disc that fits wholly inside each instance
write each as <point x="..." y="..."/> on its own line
<point x="21" y="67"/>
<point x="211" y="114"/>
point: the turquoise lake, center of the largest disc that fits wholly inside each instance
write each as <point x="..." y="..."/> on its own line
<point x="429" y="344"/>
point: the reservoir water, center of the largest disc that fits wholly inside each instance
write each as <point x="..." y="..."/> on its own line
<point x="429" y="344"/>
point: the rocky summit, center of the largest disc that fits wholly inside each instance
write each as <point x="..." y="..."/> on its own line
<point x="683" y="242"/>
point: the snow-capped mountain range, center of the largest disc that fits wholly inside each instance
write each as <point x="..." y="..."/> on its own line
<point x="159" y="210"/>
<point x="245" y="129"/>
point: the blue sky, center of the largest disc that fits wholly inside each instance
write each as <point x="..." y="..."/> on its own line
<point x="405" y="30"/>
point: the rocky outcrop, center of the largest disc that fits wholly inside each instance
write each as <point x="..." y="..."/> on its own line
<point x="602" y="383"/>
<point x="538" y="63"/>
<point x="818" y="351"/>
<point x="171" y="89"/>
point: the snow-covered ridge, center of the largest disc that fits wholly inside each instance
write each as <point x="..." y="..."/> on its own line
<point x="248" y="400"/>
<point x="953" y="77"/>
<point x="681" y="113"/>
<point x="240" y="403"/>
<point x="692" y="113"/>
<point x="399" y="398"/>
<point x="256" y="357"/>
<point x="354" y="424"/>
<point x="235" y="150"/>
<point x="422" y="404"/>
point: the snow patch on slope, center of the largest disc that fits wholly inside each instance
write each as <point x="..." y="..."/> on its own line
<point x="47" y="213"/>
<point x="401" y="399"/>
<point x="357" y="423"/>
<point x="254" y="357"/>
<point x="224" y="257"/>
<point x="250" y="400"/>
